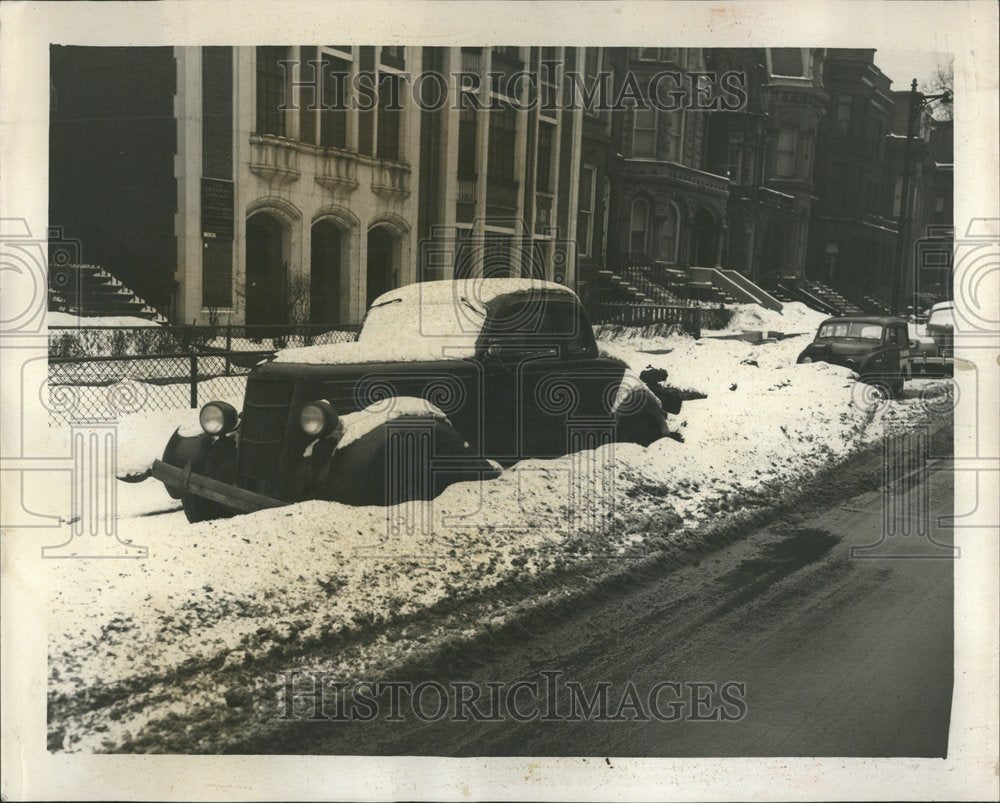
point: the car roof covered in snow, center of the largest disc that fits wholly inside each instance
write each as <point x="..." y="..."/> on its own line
<point x="880" y="319"/>
<point x="483" y="291"/>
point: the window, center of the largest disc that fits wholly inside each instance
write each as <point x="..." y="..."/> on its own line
<point x="333" y="115"/>
<point x="649" y="54"/>
<point x="787" y="61"/>
<point x="845" y="108"/>
<point x="787" y="148"/>
<point x="270" y="91"/>
<point x="585" y="209"/>
<point x="467" y="129"/>
<point x="674" y="123"/>
<point x="734" y="163"/>
<point x="639" y="226"/>
<point x="503" y="134"/>
<point x="644" y="133"/>
<point x="852" y="329"/>
<point x="548" y="81"/>
<point x="897" y="197"/>
<point x="667" y="241"/>
<point x="393" y="56"/>
<point x="592" y="62"/>
<point x="830" y="259"/>
<point x="540" y="324"/>
<point x="389" y="116"/>
<point x="544" y="170"/>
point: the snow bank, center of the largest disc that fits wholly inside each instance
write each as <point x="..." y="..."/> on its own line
<point x="794" y="318"/>
<point x="279" y="581"/>
<point x="57" y="319"/>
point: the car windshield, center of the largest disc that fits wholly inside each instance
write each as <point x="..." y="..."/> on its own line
<point x="857" y="330"/>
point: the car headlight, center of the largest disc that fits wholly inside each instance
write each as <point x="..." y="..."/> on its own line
<point x="318" y="419"/>
<point x="218" y="418"/>
<point x="805" y="360"/>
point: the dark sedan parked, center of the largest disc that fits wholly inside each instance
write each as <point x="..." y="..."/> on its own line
<point x="448" y="382"/>
<point x="876" y="348"/>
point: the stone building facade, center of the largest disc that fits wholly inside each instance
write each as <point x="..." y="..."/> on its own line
<point x="288" y="189"/>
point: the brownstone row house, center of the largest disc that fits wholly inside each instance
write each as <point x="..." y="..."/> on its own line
<point x="260" y="185"/>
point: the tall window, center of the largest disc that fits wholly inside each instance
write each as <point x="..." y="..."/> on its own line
<point x="592" y="61"/>
<point x="270" y="91"/>
<point x="390" y="98"/>
<point x="674" y="123"/>
<point x="467" y="143"/>
<point x="787" y="147"/>
<point x="333" y="115"/>
<point x="548" y="82"/>
<point x="666" y="248"/>
<point x="544" y="170"/>
<point x="585" y="210"/>
<point x="503" y="133"/>
<point x="644" y="133"/>
<point x="639" y="226"/>
<point x="845" y="108"/>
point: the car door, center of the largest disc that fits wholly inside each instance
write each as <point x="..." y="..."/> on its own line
<point x="547" y="390"/>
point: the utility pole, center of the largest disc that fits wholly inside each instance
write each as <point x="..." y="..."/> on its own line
<point x="917" y="103"/>
<point x="902" y="227"/>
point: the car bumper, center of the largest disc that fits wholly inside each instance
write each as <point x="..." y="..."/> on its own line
<point x="185" y="481"/>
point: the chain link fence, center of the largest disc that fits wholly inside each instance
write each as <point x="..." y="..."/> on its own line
<point x="107" y="372"/>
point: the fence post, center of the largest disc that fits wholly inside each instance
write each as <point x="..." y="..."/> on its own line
<point x="696" y="323"/>
<point x="229" y="345"/>
<point x="194" y="380"/>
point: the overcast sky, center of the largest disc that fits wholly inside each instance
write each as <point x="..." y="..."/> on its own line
<point x="902" y="66"/>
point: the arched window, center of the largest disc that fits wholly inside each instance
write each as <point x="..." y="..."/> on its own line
<point x="639" y="226"/>
<point x="666" y="248"/>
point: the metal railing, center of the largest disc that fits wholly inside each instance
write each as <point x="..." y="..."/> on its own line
<point x="688" y="319"/>
<point x="106" y="372"/>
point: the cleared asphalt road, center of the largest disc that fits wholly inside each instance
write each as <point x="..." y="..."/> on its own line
<point x="841" y="655"/>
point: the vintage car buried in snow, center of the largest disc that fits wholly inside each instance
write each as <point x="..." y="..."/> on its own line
<point x="448" y="381"/>
<point x="877" y="349"/>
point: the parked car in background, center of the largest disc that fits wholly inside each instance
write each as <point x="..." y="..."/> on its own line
<point x="449" y="381"/>
<point x="941" y="326"/>
<point x="876" y="348"/>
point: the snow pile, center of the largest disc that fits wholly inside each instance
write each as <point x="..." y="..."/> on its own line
<point x="65" y="319"/>
<point x="276" y="583"/>
<point x="794" y="318"/>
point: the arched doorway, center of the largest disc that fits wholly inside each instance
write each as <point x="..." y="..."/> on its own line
<point x="325" y="271"/>
<point x="705" y="239"/>
<point x="383" y="268"/>
<point x="266" y="283"/>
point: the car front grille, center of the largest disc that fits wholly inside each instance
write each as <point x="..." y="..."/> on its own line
<point x="262" y="433"/>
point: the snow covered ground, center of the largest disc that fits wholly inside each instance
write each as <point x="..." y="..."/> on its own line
<point x="60" y="319"/>
<point x="232" y="594"/>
